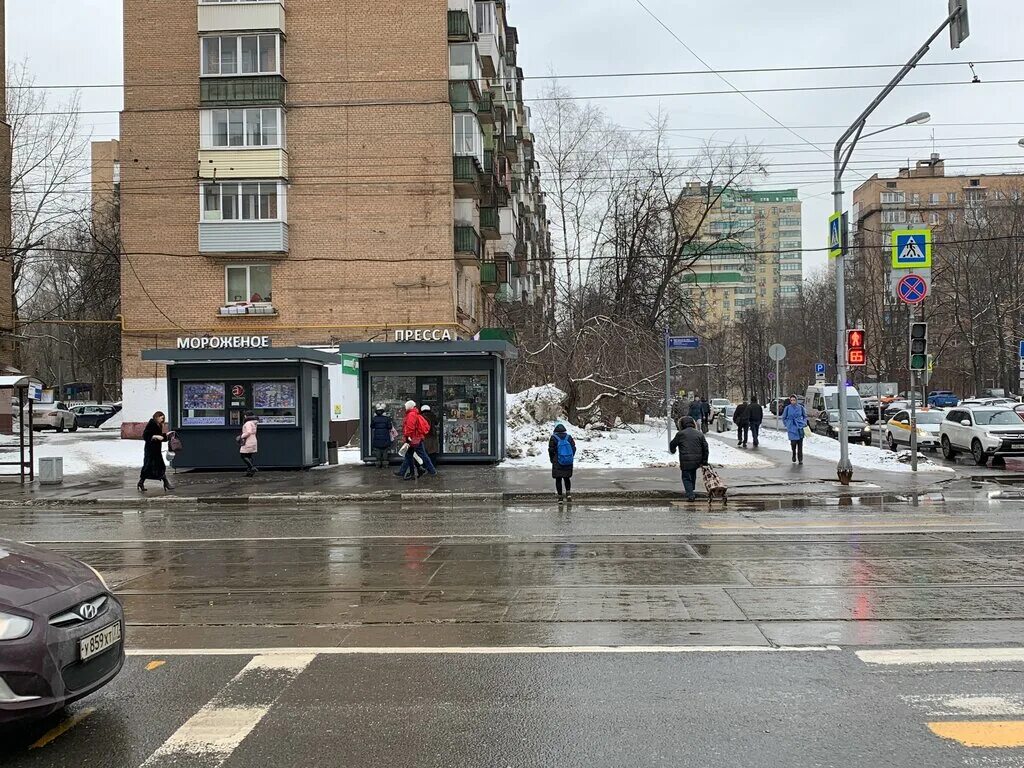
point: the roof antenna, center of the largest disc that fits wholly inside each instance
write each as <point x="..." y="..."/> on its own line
<point x="975" y="79"/>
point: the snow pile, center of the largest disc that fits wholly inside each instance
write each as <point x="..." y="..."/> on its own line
<point x="85" y="453"/>
<point x="864" y="456"/>
<point x="533" y="415"/>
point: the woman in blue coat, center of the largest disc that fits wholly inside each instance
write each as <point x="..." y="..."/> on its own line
<point x="381" y="435"/>
<point x="794" y="416"/>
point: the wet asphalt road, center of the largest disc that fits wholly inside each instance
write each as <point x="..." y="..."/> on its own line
<point x="266" y="597"/>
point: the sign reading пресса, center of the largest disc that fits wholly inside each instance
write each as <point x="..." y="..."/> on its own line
<point x="426" y="334"/>
<point x="224" y="342"/>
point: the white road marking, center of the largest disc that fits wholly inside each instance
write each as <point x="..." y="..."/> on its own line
<point x="211" y="735"/>
<point x="942" y="656"/>
<point x="479" y="650"/>
<point x="960" y="705"/>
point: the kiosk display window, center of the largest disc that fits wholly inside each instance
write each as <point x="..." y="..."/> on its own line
<point x="203" y="404"/>
<point x="275" y="402"/>
<point x="467" y="414"/>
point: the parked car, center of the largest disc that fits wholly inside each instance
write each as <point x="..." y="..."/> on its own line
<point x="55" y="416"/>
<point x="897" y="429"/>
<point x="983" y="432"/>
<point x="718" y="404"/>
<point x="92" y="415"/>
<point x="822" y="398"/>
<point x="857" y="428"/>
<point x="61" y="632"/>
<point x="989" y="402"/>
<point x="873" y="410"/>
<point x="942" y="398"/>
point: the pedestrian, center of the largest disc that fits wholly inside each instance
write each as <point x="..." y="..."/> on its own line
<point x="562" y="453"/>
<point x="696" y="411"/>
<point x="414" y="430"/>
<point x="741" y="418"/>
<point x="382" y="435"/>
<point x="432" y="442"/>
<point x="705" y="416"/>
<point x="153" y="467"/>
<point x="693" y="453"/>
<point x="795" y="418"/>
<point x="755" y="415"/>
<point x="248" y="445"/>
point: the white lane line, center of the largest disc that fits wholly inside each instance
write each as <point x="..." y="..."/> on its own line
<point x="967" y="705"/>
<point x="481" y="650"/>
<point x="941" y="656"/>
<point x="211" y="735"/>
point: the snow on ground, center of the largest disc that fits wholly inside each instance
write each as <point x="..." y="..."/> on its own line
<point x="85" y="452"/>
<point x="864" y="456"/>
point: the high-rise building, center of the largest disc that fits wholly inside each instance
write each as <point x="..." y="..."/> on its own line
<point x="6" y="253"/>
<point x="106" y="185"/>
<point x="322" y="171"/>
<point x="751" y="246"/>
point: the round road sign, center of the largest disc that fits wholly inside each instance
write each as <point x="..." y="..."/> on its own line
<point x="912" y="289"/>
<point x="777" y="352"/>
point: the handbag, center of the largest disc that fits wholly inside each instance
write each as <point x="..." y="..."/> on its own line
<point x="807" y="430"/>
<point x="393" y="433"/>
<point x="174" y="444"/>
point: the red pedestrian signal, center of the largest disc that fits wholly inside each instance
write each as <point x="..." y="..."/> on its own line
<point x="856" y="356"/>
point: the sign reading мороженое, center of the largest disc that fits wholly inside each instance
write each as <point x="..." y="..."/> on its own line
<point x="224" y="342"/>
<point x="426" y="334"/>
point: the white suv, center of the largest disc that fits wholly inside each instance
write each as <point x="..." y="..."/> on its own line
<point x="984" y="432"/>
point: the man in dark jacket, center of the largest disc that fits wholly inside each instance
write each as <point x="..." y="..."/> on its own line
<point x="696" y="411"/>
<point x="381" y="438"/>
<point x="562" y="453"/>
<point x="742" y="421"/>
<point x="705" y="416"/>
<point x="755" y="415"/>
<point x="693" y="453"/>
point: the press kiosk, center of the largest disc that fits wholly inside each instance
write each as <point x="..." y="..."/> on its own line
<point x="213" y="381"/>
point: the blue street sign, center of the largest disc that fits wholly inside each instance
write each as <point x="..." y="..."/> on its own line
<point x="835" y="235"/>
<point x="1022" y="349"/>
<point x="684" y="342"/>
<point x="911" y="248"/>
<point x="819" y="369"/>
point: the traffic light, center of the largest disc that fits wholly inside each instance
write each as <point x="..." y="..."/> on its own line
<point x="919" y="346"/>
<point x="855" y="354"/>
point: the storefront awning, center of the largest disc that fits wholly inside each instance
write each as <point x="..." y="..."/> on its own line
<point x="495" y="348"/>
<point x="262" y="355"/>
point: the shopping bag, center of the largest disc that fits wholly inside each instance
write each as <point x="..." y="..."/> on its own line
<point x="713" y="484"/>
<point x="174" y="444"/>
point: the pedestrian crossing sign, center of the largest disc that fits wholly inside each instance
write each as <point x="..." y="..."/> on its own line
<point x="912" y="249"/>
<point x="835" y="236"/>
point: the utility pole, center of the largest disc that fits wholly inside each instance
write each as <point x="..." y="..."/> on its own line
<point x="959" y="29"/>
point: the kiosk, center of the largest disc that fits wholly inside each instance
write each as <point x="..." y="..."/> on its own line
<point x="463" y="382"/>
<point x="210" y="388"/>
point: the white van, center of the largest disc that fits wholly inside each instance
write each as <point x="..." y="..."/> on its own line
<point x="821" y="399"/>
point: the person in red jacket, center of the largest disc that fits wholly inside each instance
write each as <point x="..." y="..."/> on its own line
<point x="414" y="429"/>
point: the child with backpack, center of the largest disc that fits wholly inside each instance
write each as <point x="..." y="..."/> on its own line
<point x="562" y="452"/>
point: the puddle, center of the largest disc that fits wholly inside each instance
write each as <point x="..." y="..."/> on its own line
<point x="863" y="500"/>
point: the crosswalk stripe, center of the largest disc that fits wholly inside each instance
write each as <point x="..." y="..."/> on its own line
<point x="941" y="656"/>
<point x="983" y="735"/>
<point x="210" y="736"/>
<point x="967" y="705"/>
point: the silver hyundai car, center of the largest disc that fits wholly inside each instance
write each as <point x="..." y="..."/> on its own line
<point x="61" y="631"/>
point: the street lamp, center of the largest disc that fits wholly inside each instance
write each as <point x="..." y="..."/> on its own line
<point x="843" y="151"/>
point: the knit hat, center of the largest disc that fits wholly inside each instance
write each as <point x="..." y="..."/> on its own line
<point x="425" y="409"/>
<point x="410" y="404"/>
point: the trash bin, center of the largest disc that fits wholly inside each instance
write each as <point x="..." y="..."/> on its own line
<point x="332" y="453"/>
<point x="51" y="470"/>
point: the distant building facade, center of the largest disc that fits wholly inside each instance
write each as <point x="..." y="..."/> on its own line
<point x="106" y="184"/>
<point x="7" y="325"/>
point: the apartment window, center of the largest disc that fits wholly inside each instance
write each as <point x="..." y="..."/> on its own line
<point x="915" y="218"/>
<point x="246" y="201"/>
<point x="890" y="184"/>
<point x="250" y="283"/>
<point x="469" y="137"/>
<point x="894" y="217"/>
<point x="975" y="195"/>
<point x="933" y="198"/>
<point x="464" y="62"/>
<point x="241" y="55"/>
<point x="915" y="198"/>
<point x="975" y="182"/>
<point x="486" y="18"/>
<point x="253" y="127"/>
<point x="952" y="198"/>
<point x="933" y="218"/>
<point x="894" y="197"/>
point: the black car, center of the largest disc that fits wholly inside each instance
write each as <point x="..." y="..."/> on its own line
<point x="61" y="632"/>
<point x="93" y="415"/>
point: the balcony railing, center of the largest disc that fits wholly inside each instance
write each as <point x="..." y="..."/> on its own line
<point x="463" y="96"/>
<point x="467" y="245"/>
<point x="489" y="276"/>
<point x="459" y="28"/>
<point x="240" y="91"/>
<point x="467" y="175"/>
<point x="489" y="226"/>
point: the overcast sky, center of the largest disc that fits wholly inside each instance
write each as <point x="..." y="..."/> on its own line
<point x="977" y="126"/>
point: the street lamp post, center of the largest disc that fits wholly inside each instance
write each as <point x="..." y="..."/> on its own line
<point x="841" y="158"/>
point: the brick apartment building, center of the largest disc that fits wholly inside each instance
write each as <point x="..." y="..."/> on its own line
<point x="324" y="171"/>
<point x="6" y="256"/>
<point x="758" y="262"/>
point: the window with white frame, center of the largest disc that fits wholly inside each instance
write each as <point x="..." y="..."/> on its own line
<point x="249" y="127"/>
<point x="247" y="283"/>
<point x="244" y="201"/>
<point x="468" y="135"/>
<point x="486" y="18"/>
<point x="933" y="218"/>
<point x="894" y="217"/>
<point x="241" y="55"/>
<point x="933" y="198"/>
<point x="894" y="197"/>
<point x="464" y="62"/>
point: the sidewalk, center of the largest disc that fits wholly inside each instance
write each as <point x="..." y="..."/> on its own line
<point x="347" y="483"/>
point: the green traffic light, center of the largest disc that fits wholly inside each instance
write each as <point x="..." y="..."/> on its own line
<point x="919" y="362"/>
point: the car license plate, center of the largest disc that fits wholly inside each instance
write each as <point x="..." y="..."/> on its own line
<point x="100" y="641"/>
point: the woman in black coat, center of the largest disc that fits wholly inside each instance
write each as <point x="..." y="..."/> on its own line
<point x="153" y="467"/>
<point x="560" y="470"/>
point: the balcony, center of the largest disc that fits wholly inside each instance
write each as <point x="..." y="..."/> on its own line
<point x="464" y="96"/>
<point x="489" y="277"/>
<point x="243" y="237"/>
<point x="243" y="164"/>
<point x="242" y="91"/>
<point x="466" y="176"/>
<point x="460" y="28"/>
<point x="486" y="113"/>
<point x="467" y="246"/>
<point x="241" y="17"/>
<point x="489" y="228"/>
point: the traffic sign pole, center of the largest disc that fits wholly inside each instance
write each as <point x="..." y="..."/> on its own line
<point x="668" y="389"/>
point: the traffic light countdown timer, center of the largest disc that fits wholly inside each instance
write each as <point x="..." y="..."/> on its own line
<point x="856" y="356"/>
<point x="919" y="346"/>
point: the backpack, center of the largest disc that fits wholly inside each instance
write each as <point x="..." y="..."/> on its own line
<point x="564" y="452"/>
